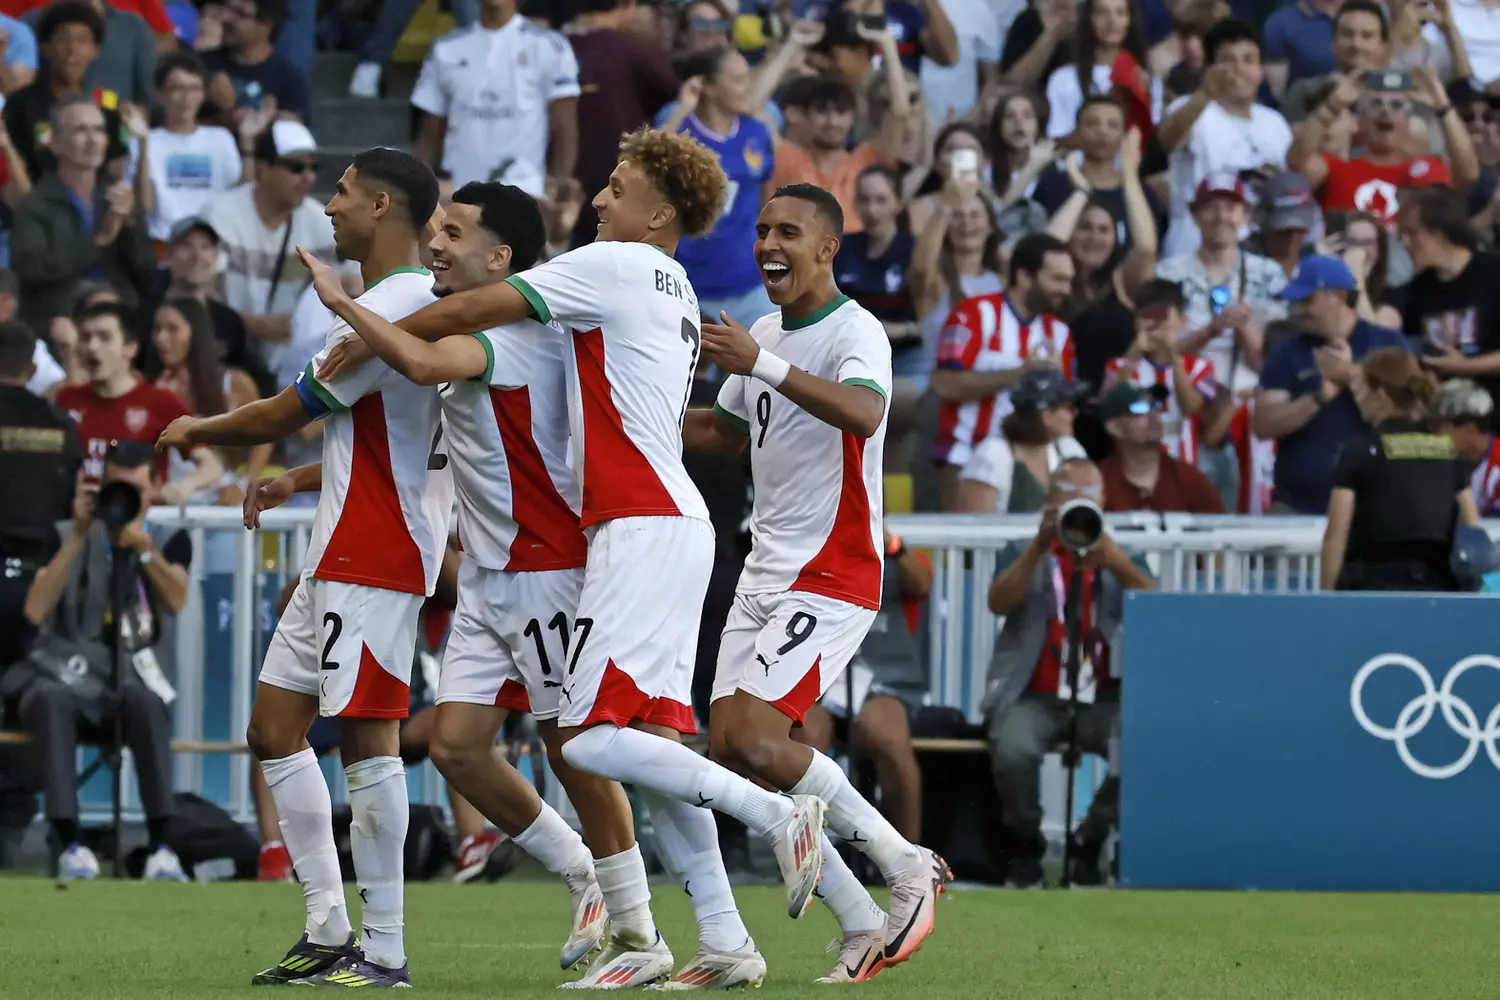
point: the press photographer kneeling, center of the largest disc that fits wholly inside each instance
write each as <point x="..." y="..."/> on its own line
<point x="69" y="689"/>
<point x="1054" y="679"/>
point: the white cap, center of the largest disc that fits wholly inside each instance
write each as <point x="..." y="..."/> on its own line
<point x="284" y="139"/>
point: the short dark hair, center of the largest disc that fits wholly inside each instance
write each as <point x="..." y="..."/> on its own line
<point x="404" y="177"/>
<point x="1096" y="100"/>
<point x="1227" y="32"/>
<point x="825" y="204"/>
<point x="1441" y="210"/>
<point x="1160" y="292"/>
<point x="70" y="12"/>
<point x="17" y="348"/>
<point x="1031" y="252"/>
<point x="705" y="63"/>
<point x="272" y="11"/>
<point x="511" y="216"/>
<point x="818" y="93"/>
<point x="182" y="59"/>
<point x="114" y="310"/>
<point x="1365" y="7"/>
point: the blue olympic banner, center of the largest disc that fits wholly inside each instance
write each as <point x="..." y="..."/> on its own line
<point x="1320" y="742"/>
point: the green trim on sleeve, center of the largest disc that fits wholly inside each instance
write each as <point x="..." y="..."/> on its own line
<point x="868" y="384"/>
<point x="319" y="390"/>
<point x="533" y="299"/>
<point x="489" y="359"/>
<point x="743" y="426"/>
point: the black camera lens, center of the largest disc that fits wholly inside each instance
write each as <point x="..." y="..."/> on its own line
<point x="117" y="504"/>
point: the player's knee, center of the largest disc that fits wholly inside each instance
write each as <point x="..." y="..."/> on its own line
<point x="454" y="753"/>
<point x="749" y="751"/>
<point x="587" y="750"/>
<point x="268" y="740"/>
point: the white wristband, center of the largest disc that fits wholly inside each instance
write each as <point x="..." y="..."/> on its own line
<point x="770" y="369"/>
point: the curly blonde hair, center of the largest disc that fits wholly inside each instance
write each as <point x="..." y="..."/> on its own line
<point x="683" y="170"/>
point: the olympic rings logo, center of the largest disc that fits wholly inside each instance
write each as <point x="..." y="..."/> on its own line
<point x="1413" y="719"/>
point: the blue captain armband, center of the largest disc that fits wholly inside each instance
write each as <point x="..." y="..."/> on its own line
<point x="317" y="402"/>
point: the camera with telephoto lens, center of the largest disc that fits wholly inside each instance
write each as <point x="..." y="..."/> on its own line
<point x="1080" y="524"/>
<point x="117" y="504"/>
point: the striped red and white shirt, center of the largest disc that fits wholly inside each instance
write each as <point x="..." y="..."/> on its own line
<point x="1181" y="433"/>
<point x="1485" y="484"/>
<point x="1257" y="461"/>
<point x="984" y="334"/>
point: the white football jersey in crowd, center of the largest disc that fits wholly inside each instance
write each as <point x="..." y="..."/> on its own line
<point x="507" y="433"/>
<point x="382" y="518"/>
<point x="493" y="87"/>
<point x="817" y="523"/>
<point x="634" y="324"/>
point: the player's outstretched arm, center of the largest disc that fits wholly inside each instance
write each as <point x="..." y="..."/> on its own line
<point x="857" y="408"/>
<point x="468" y="312"/>
<point x="264" y="421"/>
<point x="264" y="494"/>
<point x="451" y="359"/>
<point x="713" y="431"/>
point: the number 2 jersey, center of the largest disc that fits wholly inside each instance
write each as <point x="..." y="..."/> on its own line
<point x="634" y="325"/>
<point x="382" y="518"/>
<point x="817" y="521"/>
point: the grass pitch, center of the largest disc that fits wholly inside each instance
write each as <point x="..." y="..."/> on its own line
<point x="123" y="941"/>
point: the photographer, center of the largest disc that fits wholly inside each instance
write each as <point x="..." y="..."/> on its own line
<point x="65" y="692"/>
<point x="1070" y="578"/>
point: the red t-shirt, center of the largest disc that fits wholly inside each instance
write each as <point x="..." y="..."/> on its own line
<point x="1362" y="186"/>
<point x="153" y="12"/>
<point x="139" y="415"/>
<point x="1049" y="668"/>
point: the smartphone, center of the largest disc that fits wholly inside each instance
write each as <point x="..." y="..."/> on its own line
<point x="872" y="22"/>
<point x="1386" y="79"/>
<point x="965" y="164"/>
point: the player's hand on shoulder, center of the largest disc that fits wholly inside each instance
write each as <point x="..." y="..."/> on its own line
<point x="344" y="355"/>
<point x="730" y="345"/>
<point x="179" y="434"/>
<point x="327" y="282"/>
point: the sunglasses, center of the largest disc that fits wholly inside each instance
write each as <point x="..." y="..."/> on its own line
<point x="1476" y="117"/>
<point x="710" y="24"/>
<point x="1141" y="407"/>
<point x="1395" y="105"/>
<point x="298" y="166"/>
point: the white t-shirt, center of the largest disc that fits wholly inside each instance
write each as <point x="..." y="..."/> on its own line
<point x="1065" y="97"/>
<point x="382" y="518"/>
<point x="1478" y="25"/>
<point x="48" y="372"/>
<point x="494" y="87"/>
<point x="994" y="464"/>
<point x="981" y="36"/>
<point x="634" y="321"/>
<point x="1219" y="143"/>
<point x="816" y="524"/>
<point x="507" y="432"/>
<point x="187" y="169"/>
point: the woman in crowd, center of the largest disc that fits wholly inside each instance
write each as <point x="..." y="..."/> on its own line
<point x="1398" y="489"/>
<point x="1021" y="153"/>
<point x="1100" y="138"/>
<point x="957" y="257"/>
<point x="1009" y="474"/>
<point x="702" y="25"/>
<point x="1110" y="50"/>
<point x="959" y="139"/>
<point x="1364" y="244"/>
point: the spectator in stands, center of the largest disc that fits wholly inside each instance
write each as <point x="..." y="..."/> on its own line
<point x="118" y="405"/>
<point x="1450" y="309"/>
<point x="1364" y="243"/>
<point x="960" y="52"/>
<point x="132" y="41"/>
<point x="1398" y="488"/>
<point x="1139" y="474"/>
<point x="1287" y="213"/>
<point x="1220" y="129"/>
<point x="260" y="225"/>
<point x="50" y="367"/>
<point x="461" y="103"/>
<point x="1155" y="358"/>
<point x="69" y="601"/>
<point x="1028" y="693"/>
<point x="1009" y="471"/>
<point x="1038" y="42"/>
<point x="1109" y="56"/>
<point x="1255" y="455"/>
<point x="963" y="139"/>
<point x="247" y="74"/>
<point x="75" y="225"/>
<point x="1230" y="293"/>
<point x="381" y="43"/>
<point x="990" y="342"/>
<point x="1304" y="403"/>
<point x="1361" y="42"/>
<point x="623" y="78"/>
<point x="1299" y="43"/>
<point x="18" y="55"/>
<point x="71" y="33"/>
<point x="1110" y="166"/>
<point x="1374" y="181"/>
<point x="1465" y="412"/>
<point x="189" y="163"/>
<point x="1020" y="154"/>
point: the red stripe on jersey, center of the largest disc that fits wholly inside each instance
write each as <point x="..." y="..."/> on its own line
<point x="673" y="715"/>
<point x="618" y="480"/>
<point x="619" y="701"/>
<point x="847" y="567"/>
<point x="795" y="703"/>
<point x="372" y="545"/>
<point x="378" y="693"/>
<point x="512" y="695"/>
<point x="548" y="535"/>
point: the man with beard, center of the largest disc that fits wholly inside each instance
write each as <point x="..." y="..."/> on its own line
<point x="989" y="342"/>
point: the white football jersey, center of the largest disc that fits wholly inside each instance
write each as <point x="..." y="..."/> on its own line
<point x="507" y="433"/>
<point x="633" y="318"/>
<point x="382" y="518"/>
<point x="817" y="521"/>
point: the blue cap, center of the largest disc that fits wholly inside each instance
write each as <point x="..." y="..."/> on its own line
<point x="1317" y="273"/>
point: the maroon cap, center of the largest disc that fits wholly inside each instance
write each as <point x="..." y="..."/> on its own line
<point x="1221" y="185"/>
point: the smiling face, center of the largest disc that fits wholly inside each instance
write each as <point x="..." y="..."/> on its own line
<point x="794" y="248"/>
<point x="1220" y="218"/>
<point x="730" y="87"/>
<point x="70" y="51"/>
<point x="352" y="210"/>
<point x="464" y="253"/>
<point x="1357" y="44"/>
<point x="1242" y="59"/>
<point x="627" y="205"/>
<point x="193" y="260"/>
<point x="969" y="226"/>
<point x="1093" y="241"/>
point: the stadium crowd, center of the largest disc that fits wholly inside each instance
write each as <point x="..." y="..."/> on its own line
<point x="1205" y="246"/>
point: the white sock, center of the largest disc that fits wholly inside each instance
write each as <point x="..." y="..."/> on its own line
<point x="622" y="880"/>
<point x="856" y="821"/>
<point x="668" y="768"/>
<point x="555" y="844"/>
<point x="688" y="840"/>
<point x="306" y="815"/>
<point x="377" y="839"/>
<point x="845" y="896"/>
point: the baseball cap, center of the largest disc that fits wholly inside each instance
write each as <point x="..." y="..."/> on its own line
<point x="284" y="139"/>
<point x="1288" y="201"/>
<point x="1316" y="274"/>
<point x="1045" y="389"/>
<point x="1122" y="399"/>
<point x="1221" y="185"/>
<point x="190" y="224"/>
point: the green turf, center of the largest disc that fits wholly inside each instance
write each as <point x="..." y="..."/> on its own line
<point x="122" y="941"/>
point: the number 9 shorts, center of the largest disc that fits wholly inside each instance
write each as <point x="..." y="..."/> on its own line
<point x="788" y="649"/>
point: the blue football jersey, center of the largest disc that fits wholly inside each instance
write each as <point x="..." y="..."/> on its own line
<point x="721" y="263"/>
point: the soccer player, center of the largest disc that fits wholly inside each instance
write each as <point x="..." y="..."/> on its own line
<point x="632" y="324"/>
<point x="344" y="645"/>
<point x="808" y="394"/>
